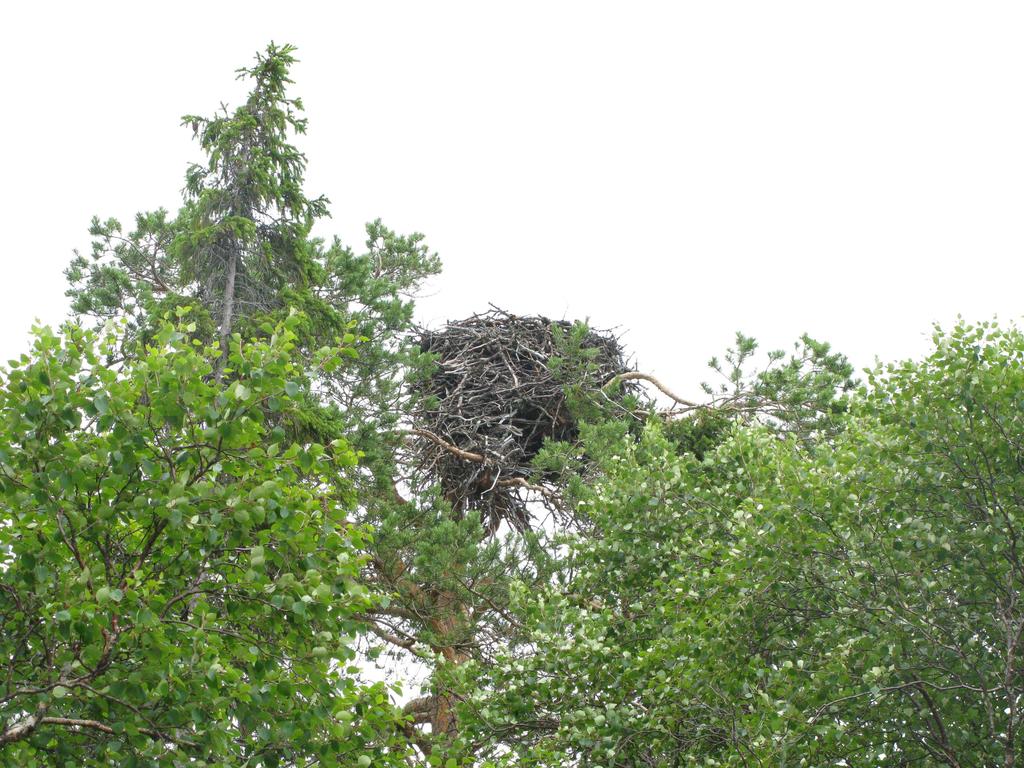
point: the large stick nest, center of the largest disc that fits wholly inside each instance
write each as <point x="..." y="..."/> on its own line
<point x="492" y="402"/>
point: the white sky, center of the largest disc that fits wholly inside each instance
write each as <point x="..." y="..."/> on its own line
<point x="680" y="170"/>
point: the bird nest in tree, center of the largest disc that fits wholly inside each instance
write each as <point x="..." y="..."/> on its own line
<point x="496" y="395"/>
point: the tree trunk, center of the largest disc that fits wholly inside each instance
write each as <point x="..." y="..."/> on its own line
<point x="443" y="722"/>
<point x="227" y="310"/>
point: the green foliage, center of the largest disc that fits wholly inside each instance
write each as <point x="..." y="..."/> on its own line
<point x="246" y="205"/>
<point x="240" y="238"/>
<point x="848" y="601"/>
<point x="792" y="573"/>
<point x="178" y="581"/>
<point x="248" y="152"/>
<point x="222" y="502"/>
<point x="804" y="394"/>
<point x="239" y="250"/>
<point x="576" y="366"/>
<point x="702" y="432"/>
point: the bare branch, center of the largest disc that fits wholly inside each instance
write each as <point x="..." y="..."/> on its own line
<point x="637" y="376"/>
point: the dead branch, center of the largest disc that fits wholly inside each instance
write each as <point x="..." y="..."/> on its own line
<point x="637" y="376"/>
<point x="453" y="449"/>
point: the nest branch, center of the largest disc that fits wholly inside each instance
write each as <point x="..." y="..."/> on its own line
<point x="453" y="449"/>
<point x="637" y="376"/>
